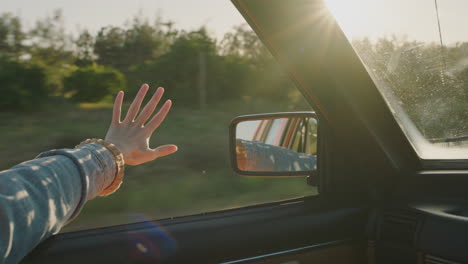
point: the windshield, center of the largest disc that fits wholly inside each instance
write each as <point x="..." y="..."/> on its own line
<point x="417" y="54"/>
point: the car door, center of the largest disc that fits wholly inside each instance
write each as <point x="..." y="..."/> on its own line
<point x="358" y="149"/>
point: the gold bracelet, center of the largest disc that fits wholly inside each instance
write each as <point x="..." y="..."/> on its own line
<point x="119" y="164"/>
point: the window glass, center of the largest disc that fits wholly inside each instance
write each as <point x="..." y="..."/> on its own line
<point x="274" y="132"/>
<point x="62" y="63"/>
<point x="307" y="133"/>
<point x="417" y="53"/>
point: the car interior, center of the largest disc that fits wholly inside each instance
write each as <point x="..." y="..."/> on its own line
<point x="379" y="201"/>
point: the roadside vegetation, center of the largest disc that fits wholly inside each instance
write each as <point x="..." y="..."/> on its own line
<point x="198" y="178"/>
<point x="56" y="89"/>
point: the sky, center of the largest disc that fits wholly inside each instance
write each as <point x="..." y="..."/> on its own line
<point x="415" y="19"/>
<point x="218" y="15"/>
<point x="373" y="18"/>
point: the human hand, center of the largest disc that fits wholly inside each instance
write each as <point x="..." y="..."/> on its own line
<point x="131" y="136"/>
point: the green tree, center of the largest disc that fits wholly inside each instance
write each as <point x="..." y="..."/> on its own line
<point x="427" y="81"/>
<point x="51" y="46"/>
<point x="243" y="42"/>
<point x="93" y="83"/>
<point x="179" y="69"/>
<point x="261" y="76"/>
<point x="109" y="47"/>
<point x="141" y="42"/>
<point x="84" y="50"/>
<point x="23" y="85"/>
<point x="11" y="36"/>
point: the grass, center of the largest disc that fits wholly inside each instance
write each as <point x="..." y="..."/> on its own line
<point x="198" y="178"/>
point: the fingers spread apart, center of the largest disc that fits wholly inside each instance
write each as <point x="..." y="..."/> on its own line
<point x="150" y="106"/>
<point x="136" y="104"/>
<point x="159" y="117"/>
<point x="147" y="111"/>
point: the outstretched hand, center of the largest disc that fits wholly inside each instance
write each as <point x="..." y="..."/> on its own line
<point x="131" y="136"/>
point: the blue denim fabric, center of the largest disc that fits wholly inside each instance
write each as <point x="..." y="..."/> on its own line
<point x="38" y="197"/>
<point x="266" y="157"/>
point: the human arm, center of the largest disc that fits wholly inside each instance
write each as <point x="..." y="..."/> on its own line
<point x="38" y="197"/>
<point x="258" y="156"/>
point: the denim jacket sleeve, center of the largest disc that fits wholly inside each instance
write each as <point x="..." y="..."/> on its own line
<point x="38" y="197"/>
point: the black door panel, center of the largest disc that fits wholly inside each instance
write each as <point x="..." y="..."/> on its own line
<point x="211" y="238"/>
<point x="344" y="252"/>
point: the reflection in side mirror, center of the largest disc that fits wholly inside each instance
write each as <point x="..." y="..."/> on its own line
<point x="283" y="144"/>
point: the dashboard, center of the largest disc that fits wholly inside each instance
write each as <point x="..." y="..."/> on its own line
<point x="427" y="222"/>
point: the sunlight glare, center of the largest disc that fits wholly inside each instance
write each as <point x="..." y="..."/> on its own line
<point x="414" y="20"/>
<point x="355" y="17"/>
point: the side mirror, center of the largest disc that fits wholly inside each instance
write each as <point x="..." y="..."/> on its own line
<point x="279" y="144"/>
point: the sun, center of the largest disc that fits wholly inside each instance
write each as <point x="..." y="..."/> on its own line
<point x="356" y="17"/>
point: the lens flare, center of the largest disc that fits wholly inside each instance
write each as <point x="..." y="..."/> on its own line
<point x="151" y="240"/>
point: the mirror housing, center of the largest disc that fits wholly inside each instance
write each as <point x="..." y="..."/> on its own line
<point x="274" y="144"/>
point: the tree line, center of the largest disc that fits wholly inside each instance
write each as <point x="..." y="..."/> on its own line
<point x="196" y="68"/>
<point x="429" y="81"/>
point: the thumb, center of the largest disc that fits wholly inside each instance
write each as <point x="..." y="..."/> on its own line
<point x="162" y="151"/>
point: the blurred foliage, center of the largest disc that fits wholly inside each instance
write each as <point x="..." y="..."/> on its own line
<point x="84" y="51"/>
<point x="197" y="69"/>
<point x="48" y="43"/>
<point x="178" y="69"/>
<point x="198" y="178"/>
<point x="200" y="71"/>
<point x="140" y="42"/>
<point x="428" y="82"/>
<point x="93" y="83"/>
<point x="22" y="85"/>
<point x="11" y="36"/>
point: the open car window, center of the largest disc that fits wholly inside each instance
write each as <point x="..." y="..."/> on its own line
<point x="61" y="64"/>
<point x="417" y="55"/>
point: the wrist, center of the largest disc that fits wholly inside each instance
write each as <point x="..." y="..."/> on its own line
<point x="119" y="165"/>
